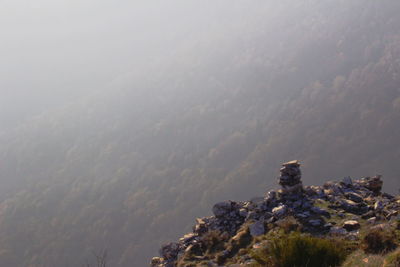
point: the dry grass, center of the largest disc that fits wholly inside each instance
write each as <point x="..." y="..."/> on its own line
<point x="393" y="260"/>
<point x="360" y="259"/>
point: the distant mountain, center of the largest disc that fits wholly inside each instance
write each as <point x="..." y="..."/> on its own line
<point x="129" y="169"/>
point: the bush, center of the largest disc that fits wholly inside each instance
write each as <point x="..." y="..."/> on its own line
<point x="379" y="241"/>
<point x="302" y="250"/>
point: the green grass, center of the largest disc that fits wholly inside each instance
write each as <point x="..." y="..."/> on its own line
<point x="300" y="250"/>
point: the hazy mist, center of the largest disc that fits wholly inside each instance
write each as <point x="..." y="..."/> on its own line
<point x="55" y="51"/>
<point x="122" y="121"/>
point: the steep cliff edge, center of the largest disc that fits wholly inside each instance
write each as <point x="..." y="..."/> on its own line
<point x="296" y="226"/>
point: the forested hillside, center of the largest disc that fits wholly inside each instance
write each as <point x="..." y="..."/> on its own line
<point x="314" y="80"/>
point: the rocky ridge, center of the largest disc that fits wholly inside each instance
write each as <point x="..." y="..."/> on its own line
<point x="337" y="208"/>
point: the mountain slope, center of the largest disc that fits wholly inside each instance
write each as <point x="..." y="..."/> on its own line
<point x="296" y="226"/>
<point x="116" y="171"/>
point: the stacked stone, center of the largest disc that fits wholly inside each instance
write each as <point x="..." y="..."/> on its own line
<point x="290" y="178"/>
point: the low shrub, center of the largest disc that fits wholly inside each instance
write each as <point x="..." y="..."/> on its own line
<point x="379" y="241"/>
<point x="301" y="250"/>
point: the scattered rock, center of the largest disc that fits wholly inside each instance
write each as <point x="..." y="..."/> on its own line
<point x="222" y="209"/>
<point x="303" y="215"/>
<point x="297" y="204"/>
<point x="353" y="236"/>
<point x="338" y="231"/>
<point x="392" y="214"/>
<point x="257" y="229"/>
<point x="306" y="205"/>
<point x="368" y="215"/>
<point x="170" y="251"/>
<point x="315" y="223"/>
<point x="271" y="196"/>
<point x="374" y="184"/>
<point x="200" y="227"/>
<point x="354" y="197"/>
<point x="379" y="205"/>
<point x="320" y="211"/>
<point x="187" y="238"/>
<point x="156" y="261"/>
<point x="243" y="213"/>
<point x="351" y="225"/>
<point x="347" y="181"/>
<point x="333" y="187"/>
<point x="252" y="215"/>
<point x="388" y="196"/>
<point x="350" y="206"/>
<point x="280" y="211"/>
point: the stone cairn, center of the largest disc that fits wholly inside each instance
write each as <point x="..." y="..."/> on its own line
<point x="290" y="179"/>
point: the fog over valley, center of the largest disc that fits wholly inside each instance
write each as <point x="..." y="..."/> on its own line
<point x="121" y="122"/>
<point x="56" y="51"/>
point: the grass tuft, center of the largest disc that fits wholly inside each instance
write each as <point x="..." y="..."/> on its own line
<point x="300" y="250"/>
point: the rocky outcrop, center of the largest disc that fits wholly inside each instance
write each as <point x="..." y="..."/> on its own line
<point x="312" y="207"/>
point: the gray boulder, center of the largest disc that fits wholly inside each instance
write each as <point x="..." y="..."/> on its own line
<point x="354" y="197"/>
<point x="279" y="211"/>
<point x="347" y="181"/>
<point x="379" y="205"/>
<point x="315" y="222"/>
<point x="351" y="225"/>
<point x="170" y="251"/>
<point x="222" y="209"/>
<point x="257" y="229"/>
<point x="338" y="231"/>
